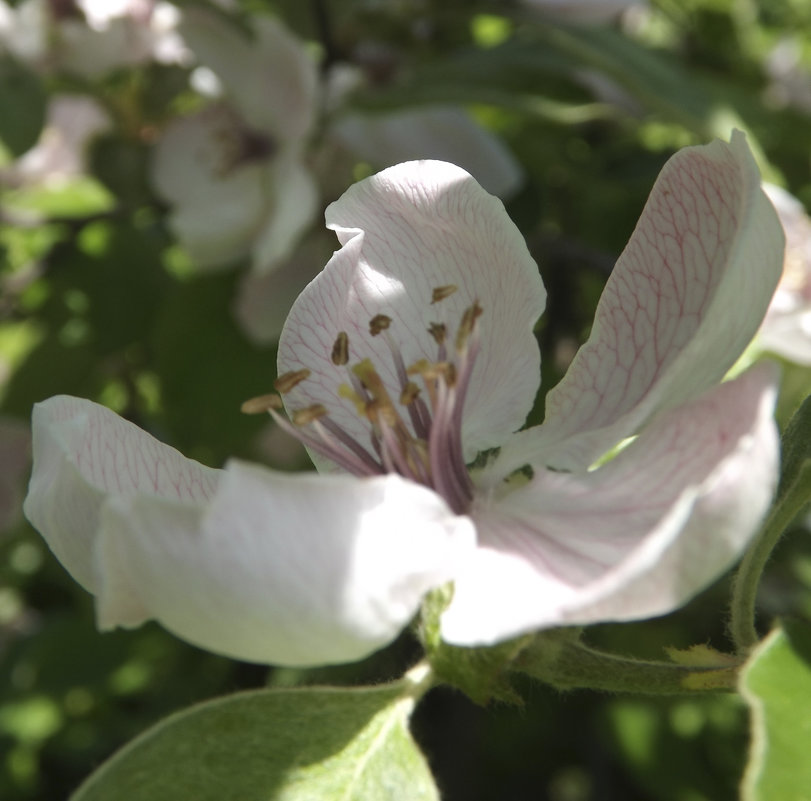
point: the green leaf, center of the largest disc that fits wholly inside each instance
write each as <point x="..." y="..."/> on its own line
<point x="22" y="106"/>
<point x="776" y="683"/>
<point x="276" y="745"/>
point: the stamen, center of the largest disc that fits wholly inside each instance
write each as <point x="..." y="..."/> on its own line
<point x="472" y="313"/>
<point x="438" y="331"/>
<point x="429" y="451"/>
<point x="301" y="417"/>
<point x="378" y="323"/>
<point x="261" y="404"/>
<point x="285" y="382"/>
<point x="442" y="292"/>
<point x="409" y="393"/>
<point x="340" y="350"/>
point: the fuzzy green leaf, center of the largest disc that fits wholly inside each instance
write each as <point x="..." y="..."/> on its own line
<point x="777" y="685"/>
<point x="276" y="745"/>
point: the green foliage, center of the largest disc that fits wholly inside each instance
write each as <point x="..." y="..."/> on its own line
<point x="777" y="685"/>
<point x="296" y="745"/>
<point x="22" y="105"/>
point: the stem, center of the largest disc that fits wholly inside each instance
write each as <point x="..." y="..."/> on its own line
<point x="568" y="664"/>
<point x="745" y="585"/>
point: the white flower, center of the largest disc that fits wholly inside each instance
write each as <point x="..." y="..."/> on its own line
<point x="786" y="330"/>
<point x="409" y="354"/>
<point x="95" y="37"/>
<point x="234" y="172"/>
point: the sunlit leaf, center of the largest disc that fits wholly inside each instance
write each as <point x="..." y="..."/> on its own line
<point x="316" y="743"/>
<point x="777" y="685"/>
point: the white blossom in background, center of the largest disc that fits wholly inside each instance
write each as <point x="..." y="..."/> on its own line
<point x="90" y="37"/>
<point x="412" y="352"/>
<point x="786" y="330"/>
<point x="234" y="172"/>
<point x="444" y="133"/>
<point x="71" y="123"/>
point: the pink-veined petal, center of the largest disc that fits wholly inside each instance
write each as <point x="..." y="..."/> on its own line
<point x="280" y="568"/>
<point x="84" y="455"/>
<point x="638" y="536"/>
<point x="405" y="232"/>
<point x="684" y="300"/>
<point x="446" y="133"/>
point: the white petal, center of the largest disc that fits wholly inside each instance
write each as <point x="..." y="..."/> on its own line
<point x="292" y="210"/>
<point x="786" y="330"/>
<point x="84" y="455"/>
<point x="281" y="568"/>
<point x="406" y="231"/>
<point x="635" y="538"/>
<point x="684" y="300"/>
<point x="446" y="133"/>
<point x="271" y="78"/>
<point x="220" y="206"/>
<point x="263" y="300"/>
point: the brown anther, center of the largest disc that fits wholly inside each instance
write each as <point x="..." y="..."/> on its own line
<point x="472" y="313"/>
<point x="438" y="331"/>
<point x="286" y="381"/>
<point x="409" y="393"/>
<point x="377" y="410"/>
<point x="442" y="292"/>
<point x="261" y="404"/>
<point x="340" y="350"/>
<point x="301" y="417"/>
<point x="378" y="323"/>
<point x="432" y="371"/>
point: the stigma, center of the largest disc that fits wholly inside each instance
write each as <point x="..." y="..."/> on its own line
<point x="414" y="425"/>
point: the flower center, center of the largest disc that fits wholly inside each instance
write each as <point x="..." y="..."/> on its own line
<point x="415" y="428"/>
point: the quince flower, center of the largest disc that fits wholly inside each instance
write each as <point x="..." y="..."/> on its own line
<point x="234" y="171"/>
<point x="411" y="353"/>
<point x="89" y="37"/>
<point x="786" y="330"/>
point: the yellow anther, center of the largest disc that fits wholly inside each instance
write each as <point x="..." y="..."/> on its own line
<point x="285" y="382"/>
<point x="409" y="393"/>
<point x="345" y="391"/>
<point x="370" y="378"/>
<point x="438" y="332"/>
<point x="442" y="292"/>
<point x="378" y="410"/>
<point x="340" y="350"/>
<point x="307" y="415"/>
<point x="419" y="367"/>
<point x="261" y="404"/>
